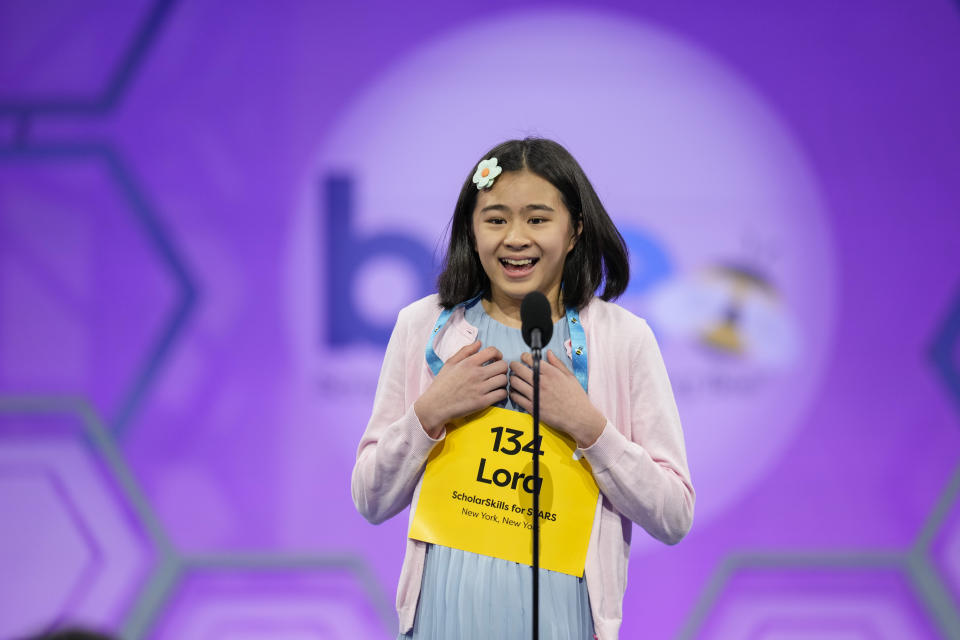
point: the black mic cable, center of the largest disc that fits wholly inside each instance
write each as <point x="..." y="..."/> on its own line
<point x="537" y="330"/>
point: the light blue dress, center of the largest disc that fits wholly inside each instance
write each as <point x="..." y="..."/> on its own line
<point x="468" y="596"/>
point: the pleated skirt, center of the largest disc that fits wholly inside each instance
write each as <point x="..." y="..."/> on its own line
<point x="466" y="596"/>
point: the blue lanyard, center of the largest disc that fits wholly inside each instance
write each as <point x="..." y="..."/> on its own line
<point x="432" y="358"/>
<point x="578" y="341"/>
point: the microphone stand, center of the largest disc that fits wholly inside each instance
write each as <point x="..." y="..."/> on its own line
<point x="536" y="346"/>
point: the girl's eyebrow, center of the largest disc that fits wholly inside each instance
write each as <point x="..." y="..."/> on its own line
<point x="529" y="207"/>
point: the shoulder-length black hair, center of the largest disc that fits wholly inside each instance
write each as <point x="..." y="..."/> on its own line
<point x="598" y="257"/>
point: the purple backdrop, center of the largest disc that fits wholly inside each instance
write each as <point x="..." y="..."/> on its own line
<point x="191" y="330"/>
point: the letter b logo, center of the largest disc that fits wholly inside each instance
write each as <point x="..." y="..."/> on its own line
<point x="346" y="254"/>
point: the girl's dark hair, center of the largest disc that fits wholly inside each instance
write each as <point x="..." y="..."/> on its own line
<point x="598" y="257"/>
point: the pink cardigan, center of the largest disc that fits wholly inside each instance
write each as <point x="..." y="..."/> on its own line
<point x="639" y="461"/>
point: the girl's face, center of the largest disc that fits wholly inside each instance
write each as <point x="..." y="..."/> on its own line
<point x="523" y="233"/>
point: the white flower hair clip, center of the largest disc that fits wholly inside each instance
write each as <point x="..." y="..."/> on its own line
<point x="486" y="172"/>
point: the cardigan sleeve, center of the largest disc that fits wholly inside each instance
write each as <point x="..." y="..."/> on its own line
<point x="644" y="475"/>
<point x="394" y="446"/>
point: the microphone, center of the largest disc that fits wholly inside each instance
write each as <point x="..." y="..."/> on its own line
<point x="535" y="318"/>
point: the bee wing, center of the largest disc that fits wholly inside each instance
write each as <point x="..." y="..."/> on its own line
<point x="769" y="335"/>
<point x="688" y="306"/>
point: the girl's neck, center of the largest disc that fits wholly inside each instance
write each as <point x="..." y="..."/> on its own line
<point x="506" y="310"/>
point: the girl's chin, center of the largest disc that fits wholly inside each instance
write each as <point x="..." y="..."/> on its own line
<point x="516" y="292"/>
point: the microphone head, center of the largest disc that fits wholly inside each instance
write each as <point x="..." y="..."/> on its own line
<point x="535" y="314"/>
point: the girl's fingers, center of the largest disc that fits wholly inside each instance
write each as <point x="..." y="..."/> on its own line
<point x="496" y="368"/>
<point x="522" y="387"/>
<point x="521" y="401"/>
<point x="495" y="396"/>
<point x="490" y="354"/>
<point x="550" y="360"/>
<point x="522" y="372"/>
<point x="555" y="360"/>
<point x="464" y="353"/>
<point x="496" y="382"/>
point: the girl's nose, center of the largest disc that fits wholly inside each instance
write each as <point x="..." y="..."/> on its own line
<point x="516" y="235"/>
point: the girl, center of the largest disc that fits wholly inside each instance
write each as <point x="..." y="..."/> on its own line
<point x="527" y="219"/>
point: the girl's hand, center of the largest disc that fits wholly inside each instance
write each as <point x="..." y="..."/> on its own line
<point x="465" y="384"/>
<point x="564" y="404"/>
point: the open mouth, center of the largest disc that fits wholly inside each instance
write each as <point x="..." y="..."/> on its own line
<point x="518" y="266"/>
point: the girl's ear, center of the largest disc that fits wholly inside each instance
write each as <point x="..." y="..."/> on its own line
<point x="576" y="235"/>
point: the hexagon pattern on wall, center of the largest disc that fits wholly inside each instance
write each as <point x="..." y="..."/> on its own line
<point x="76" y="548"/>
<point x="945" y="350"/>
<point x="935" y="557"/>
<point x="74" y="229"/>
<point x="946" y="551"/>
<point x="272" y="597"/>
<point x="822" y="602"/>
<point x="66" y="65"/>
<point x="46" y="549"/>
<point x="74" y="319"/>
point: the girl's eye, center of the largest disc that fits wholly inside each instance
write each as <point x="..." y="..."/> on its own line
<point x="537" y="220"/>
<point x="496" y="220"/>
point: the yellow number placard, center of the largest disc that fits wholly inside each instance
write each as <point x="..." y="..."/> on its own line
<point x="477" y="492"/>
